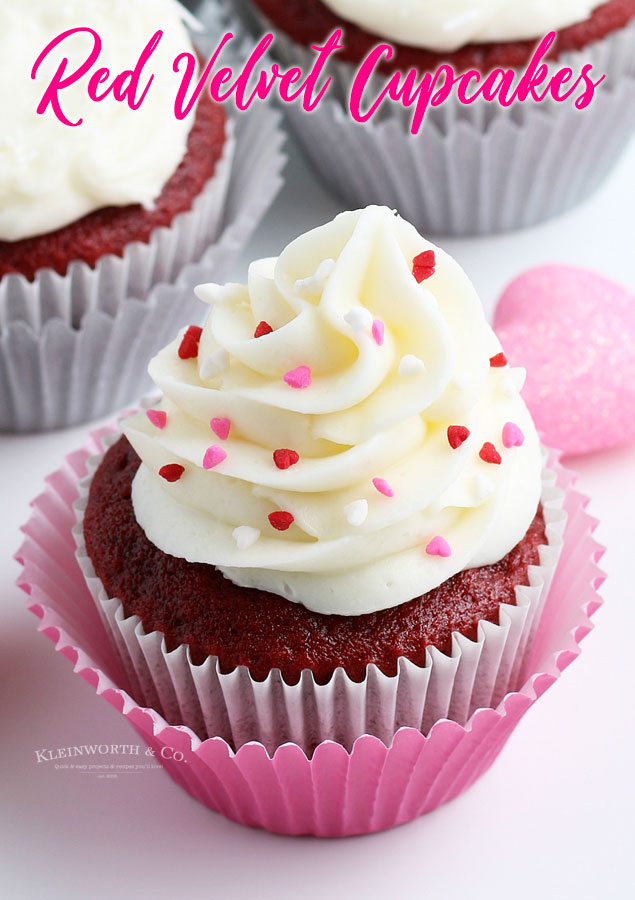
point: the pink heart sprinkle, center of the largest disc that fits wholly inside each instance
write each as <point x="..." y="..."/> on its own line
<point x="438" y="546"/>
<point x="213" y="456"/>
<point x="383" y="487"/>
<point x="158" y="417"/>
<point x="378" y="331"/>
<point x="220" y="427"/>
<point x="298" y="378"/>
<point x="512" y="435"/>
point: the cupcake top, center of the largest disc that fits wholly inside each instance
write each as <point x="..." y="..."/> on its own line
<point x="51" y="173"/>
<point x="451" y="24"/>
<point x="345" y="430"/>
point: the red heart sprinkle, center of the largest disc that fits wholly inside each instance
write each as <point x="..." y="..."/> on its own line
<point x="498" y="361"/>
<point x="284" y="458"/>
<point x="171" y="472"/>
<point x="262" y="328"/>
<point x="457" y="434"/>
<point x="188" y="348"/>
<point x="490" y="454"/>
<point x="423" y="266"/>
<point x="280" y="519"/>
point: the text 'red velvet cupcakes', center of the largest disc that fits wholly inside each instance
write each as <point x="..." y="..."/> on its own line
<point x="337" y="521"/>
<point x="100" y="219"/>
<point x="469" y="169"/>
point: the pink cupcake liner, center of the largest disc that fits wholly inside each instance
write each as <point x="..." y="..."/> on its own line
<point x="335" y="792"/>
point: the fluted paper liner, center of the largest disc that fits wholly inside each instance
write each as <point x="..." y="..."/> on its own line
<point x="336" y="791"/>
<point x="75" y="348"/>
<point x="473" y="169"/>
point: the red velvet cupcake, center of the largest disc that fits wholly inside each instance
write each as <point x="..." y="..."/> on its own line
<point x="337" y="520"/>
<point x="458" y="168"/>
<point x="98" y="214"/>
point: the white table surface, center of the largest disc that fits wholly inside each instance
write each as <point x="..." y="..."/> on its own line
<point x="553" y="818"/>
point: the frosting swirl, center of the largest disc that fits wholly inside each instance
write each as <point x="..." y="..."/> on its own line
<point x="52" y="174"/>
<point x="361" y="366"/>
<point x="455" y="23"/>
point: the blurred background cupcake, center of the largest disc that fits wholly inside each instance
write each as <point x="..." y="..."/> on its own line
<point x="470" y="169"/>
<point x="106" y="224"/>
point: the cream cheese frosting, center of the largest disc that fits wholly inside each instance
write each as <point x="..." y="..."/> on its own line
<point x="359" y="370"/>
<point x="448" y="25"/>
<point x="52" y="174"/>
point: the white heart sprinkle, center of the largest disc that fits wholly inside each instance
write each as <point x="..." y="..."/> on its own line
<point x="483" y="487"/>
<point x="214" y="364"/>
<point x="356" y="512"/>
<point x="245" y="536"/>
<point x="358" y="318"/>
<point x="410" y="365"/>
<point x="314" y="284"/>
<point x="513" y="380"/>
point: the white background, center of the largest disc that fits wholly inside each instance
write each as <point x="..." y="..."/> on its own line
<point x="553" y="818"/>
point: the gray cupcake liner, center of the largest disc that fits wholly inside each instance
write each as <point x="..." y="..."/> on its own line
<point x="474" y="169"/>
<point x="71" y="352"/>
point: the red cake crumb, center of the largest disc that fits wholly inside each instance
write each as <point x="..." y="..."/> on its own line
<point x="193" y="603"/>
<point x="111" y="229"/>
<point x="308" y="21"/>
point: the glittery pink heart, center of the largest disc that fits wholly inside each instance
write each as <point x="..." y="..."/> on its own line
<point x="158" y="417"/>
<point x="438" y="546"/>
<point x="213" y="456"/>
<point x="574" y="331"/>
<point x="221" y="427"/>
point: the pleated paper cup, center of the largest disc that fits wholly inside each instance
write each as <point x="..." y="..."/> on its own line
<point x="76" y="347"/>
<point x="385" y="782"/>
<point x="470" y="169"/>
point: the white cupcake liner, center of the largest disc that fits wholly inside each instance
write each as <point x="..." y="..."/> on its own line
<point x="334" y="792"/>
<point x="475" y="169"/>
<point x="240" y="709"/>
<point x="75" y="348"/>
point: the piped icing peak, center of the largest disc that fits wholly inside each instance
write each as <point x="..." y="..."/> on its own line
<point x="373" y="478"/>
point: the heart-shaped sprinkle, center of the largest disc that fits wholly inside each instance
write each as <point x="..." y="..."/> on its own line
<point x="410" y="365"/>
<point x="188" y="348"/>
<point x="356" y="512"/>
<point x="423" y="265"/>
<point x="490" y="454"/>
<point x="483" y="487"/>
<point x="314" y="284"/>
<point x="158" y="417"/>
<point x="383" y="487"/>
<point x="284" y="458"/>
<point x="214" y="364"/>
<point x="280" y="520"/>
<point x="378" y="330"/>
<point x="171" y="471"/>
<point x="262" y="328"/>
<point x="512" y="435"/>
<point x="457" y="434"/>
<point x="574" y="330"/>
<point x="499" y="361"/>
<point x="359" y="318"/>
<point x="214" y="455"/>
<point x="299" y="377"/>
<point x="221" y="427"/>
<point x="438" y="546"/>
<point x="245" y="536"/>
